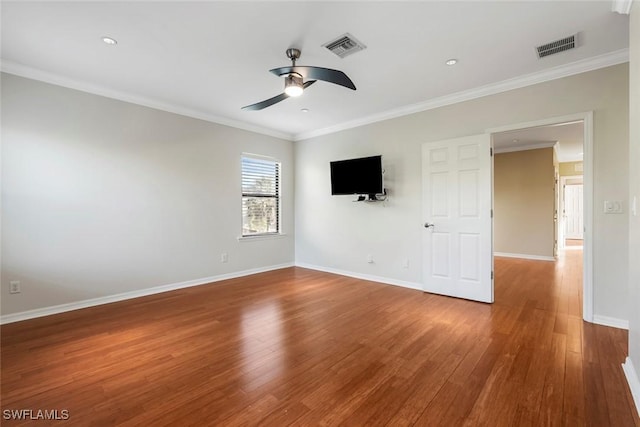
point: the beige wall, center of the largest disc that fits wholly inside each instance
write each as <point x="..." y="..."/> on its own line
<point x="571" y="168"/>
<point x="102" y="197"/>
<point x="392" y="232"/>
<point x="523" y="191"/>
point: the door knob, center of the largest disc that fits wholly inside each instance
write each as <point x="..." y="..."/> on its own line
<point x="429" y="225"/>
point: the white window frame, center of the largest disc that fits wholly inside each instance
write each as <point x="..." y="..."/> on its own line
<point x="278" y="196"/>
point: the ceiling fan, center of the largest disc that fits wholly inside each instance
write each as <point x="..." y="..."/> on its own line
<point x="299" y="77"/>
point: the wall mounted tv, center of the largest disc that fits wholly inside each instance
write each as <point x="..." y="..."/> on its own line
<point x="357" y="176"/>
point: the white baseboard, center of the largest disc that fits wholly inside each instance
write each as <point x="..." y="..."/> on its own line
<point x="47" y="311"/>
<point x="610" y="321"/>
<point x="633" y="381"/>
<point x="372" y="278"/>
<point x="525" y="256"/>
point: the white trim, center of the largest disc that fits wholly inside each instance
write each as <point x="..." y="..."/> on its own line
<point x="585" y="65"/>
<point x="257" y="237"/>
<point x="525" y="256"/>
<point x="11" y="67"/>
<point x="370" y="277"/>
<point x="524" y="147"/>
<point x="634" y="383"/>
<point x="587" y="238"/>
<point x="587" y="173"/>
<point x="559" y="120"/>
<point x="582" y="66"/>
<point x="56" y="309"/>
<point x="278" y="195"/>
<point x="623" y="7"/>
<point x="612" y="322"/>
<point x="260" y="157"/>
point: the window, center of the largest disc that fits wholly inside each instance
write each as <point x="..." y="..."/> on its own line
<point x="260" y="196"/>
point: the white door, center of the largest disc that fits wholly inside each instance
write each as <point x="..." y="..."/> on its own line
<point x="573" y="207"/>
<point x="456" y="206"/>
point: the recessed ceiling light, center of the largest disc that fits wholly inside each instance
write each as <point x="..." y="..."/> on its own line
<point x="451" y="61"/>
<point x="516" y="140"/>
<point x="304" y="110"/>
<point x="109" y="40"/>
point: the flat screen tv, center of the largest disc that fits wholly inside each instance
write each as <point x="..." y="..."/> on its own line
<point x="357" y="176"/>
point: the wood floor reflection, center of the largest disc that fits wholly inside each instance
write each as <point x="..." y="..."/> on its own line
<point x="305" y="348"/>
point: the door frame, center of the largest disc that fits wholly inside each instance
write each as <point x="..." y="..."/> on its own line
<point x="563" y="183"/>
<point x="587" y="158"/>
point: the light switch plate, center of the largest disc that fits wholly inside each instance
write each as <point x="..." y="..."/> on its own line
<point x="612" y="206"/>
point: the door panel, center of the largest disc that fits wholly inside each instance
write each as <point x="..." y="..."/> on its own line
<point x="458" y="256"/>
<point x="573" y="208"/>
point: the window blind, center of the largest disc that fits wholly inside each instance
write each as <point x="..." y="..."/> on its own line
<point x="260" y="196"/>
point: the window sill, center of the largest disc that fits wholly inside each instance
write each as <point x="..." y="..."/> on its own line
<point x="261" y="237"/>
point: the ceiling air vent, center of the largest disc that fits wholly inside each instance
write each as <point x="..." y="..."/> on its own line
<point x="557" y="46"/>
<point x="344" y="45"/>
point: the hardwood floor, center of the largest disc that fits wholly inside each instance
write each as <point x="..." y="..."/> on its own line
<point x="573" y="242"/>
<point x="305" y="348"/>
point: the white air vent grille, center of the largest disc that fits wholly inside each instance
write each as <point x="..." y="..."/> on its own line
<point x="345" y="45"/>
<point x="557" y="46"/>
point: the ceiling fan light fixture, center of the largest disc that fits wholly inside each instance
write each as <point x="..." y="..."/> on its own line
<point x="293" y="80"/>
<point x="293" y="85"/>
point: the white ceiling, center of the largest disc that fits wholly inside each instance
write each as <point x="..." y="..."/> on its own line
<point x="208" y="59"/>
<point x="568" y="136"/>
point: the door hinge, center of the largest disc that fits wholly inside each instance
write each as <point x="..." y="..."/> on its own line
<point x="492" y="275"/>
<point x="491" y="213"/>
<point x="491" y="151"/>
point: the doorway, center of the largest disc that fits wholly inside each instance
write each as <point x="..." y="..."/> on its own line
<point x="572" y="211"/>
<point x="580" y="194"/>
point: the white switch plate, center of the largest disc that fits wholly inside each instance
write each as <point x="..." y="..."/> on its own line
<point x="612" y="206"/>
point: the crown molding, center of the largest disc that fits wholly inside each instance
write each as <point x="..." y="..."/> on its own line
<point x="21" y="70"/>
<point x="623" y="7"/>
<point x="582" y="66"/>
<point x="590" y="64"/>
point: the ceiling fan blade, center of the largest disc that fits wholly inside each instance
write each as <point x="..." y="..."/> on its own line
<point x="269" y="102"/>
<point x="317" y="73"/>
<point x="266" y="103"/>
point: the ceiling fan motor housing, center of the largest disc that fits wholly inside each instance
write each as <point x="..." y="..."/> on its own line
<point x="293" y="54"/>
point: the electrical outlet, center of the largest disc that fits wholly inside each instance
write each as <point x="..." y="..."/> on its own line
<point x="224" y="257"/>
<point x="613" y="207"/>
<point x="14" y="287"/>
<point x="405" y="263"/>
<point x="370" y="259"/>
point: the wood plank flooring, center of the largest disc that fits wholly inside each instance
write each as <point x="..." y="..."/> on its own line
<point x="305" y="348"/>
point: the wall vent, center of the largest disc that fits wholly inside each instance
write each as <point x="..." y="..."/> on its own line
<point x="345" y="45"/>
<point x="557" y="46"/>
